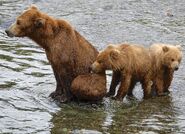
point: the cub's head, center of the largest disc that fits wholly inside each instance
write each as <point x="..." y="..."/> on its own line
<point x="30" y="23"/>
<point x="107" y="59"/>
<point x="172" y="56"/>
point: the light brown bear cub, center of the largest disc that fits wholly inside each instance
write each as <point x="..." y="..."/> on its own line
<point x="166" y="59"/>
<point x="68" y="52"/>
<point x="130" y="64"/>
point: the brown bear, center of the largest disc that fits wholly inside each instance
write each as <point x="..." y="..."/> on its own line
<point x="165" y="60"/>
<point x="130" y="64"/>
<point x="89" y="87"/>
<point x="69" y="53"/>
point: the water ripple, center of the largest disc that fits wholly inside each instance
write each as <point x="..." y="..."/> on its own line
<point x="26" y="78"/>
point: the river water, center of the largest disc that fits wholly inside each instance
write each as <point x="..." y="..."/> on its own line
<point x="26" y="78"/>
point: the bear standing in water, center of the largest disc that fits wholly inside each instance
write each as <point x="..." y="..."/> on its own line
<point x="69" y="54"/>
<point x="165" y="60"/>
<point x="130" y="64"/>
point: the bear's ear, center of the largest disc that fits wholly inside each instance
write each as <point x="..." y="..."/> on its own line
<point x="110" y="46"/>
<point x="114" y="54"/>
<point x="40" y="22"/>
<point x="179" y="47"/>
<point x="165" y="49"/>
<point x="32" y="6"/>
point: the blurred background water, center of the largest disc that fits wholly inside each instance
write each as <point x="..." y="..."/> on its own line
<point x="26" y="78"/>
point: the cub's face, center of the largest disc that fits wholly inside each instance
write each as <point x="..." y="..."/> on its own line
<point x="105" y="60"/>
<point x="172" y="57"/>
<point x="27" y="23"/>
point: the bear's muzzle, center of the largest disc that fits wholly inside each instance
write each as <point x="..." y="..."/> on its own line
<point x="10" y="34"/>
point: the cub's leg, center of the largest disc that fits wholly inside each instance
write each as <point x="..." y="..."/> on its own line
<point x="123" y="89"/>
<point x="147" y="85"/>
<point x="116" y="77"/>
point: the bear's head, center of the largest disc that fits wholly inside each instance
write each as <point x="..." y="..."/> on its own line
<point x="172" y="56"/>
<point x="108" y="59"/>
<point x="31" y="23"/>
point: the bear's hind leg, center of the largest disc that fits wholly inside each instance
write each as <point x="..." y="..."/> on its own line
<point x="147" y="86"/>
<point x="130" y="90"/>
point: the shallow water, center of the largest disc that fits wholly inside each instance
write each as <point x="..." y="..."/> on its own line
<point x="26" y="78"/>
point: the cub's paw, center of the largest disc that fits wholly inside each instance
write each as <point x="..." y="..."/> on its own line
<point x="109" y="94"/>
<point x="117" y="98"/>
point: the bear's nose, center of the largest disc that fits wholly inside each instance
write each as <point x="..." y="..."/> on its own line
<point x="9" y="33"/>
<point x="176" y="68"/>
<point x="92" y="67"/>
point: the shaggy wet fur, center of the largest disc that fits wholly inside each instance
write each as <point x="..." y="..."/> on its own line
<point x="90" y="87"/>
<point x="130" y="64"/>
<point x="165" y="60"/>
<point x="69" y="53"/>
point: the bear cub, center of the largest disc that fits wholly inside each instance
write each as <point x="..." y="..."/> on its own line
<point x="165" y="60"/>
<point x="89" y="87"/>
<point x="130" y="64"/>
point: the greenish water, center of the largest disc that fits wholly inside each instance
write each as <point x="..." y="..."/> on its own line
<point x="26" y="78"/>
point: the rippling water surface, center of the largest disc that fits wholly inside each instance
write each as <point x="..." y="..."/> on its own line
<point x="26" y="78"/>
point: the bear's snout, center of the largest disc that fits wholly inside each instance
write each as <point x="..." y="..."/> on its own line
<point x="9" y="33"/>
<point x="94" y="67"/>
<point x="176" y="68"/>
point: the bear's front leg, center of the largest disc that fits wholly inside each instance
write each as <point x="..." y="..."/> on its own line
<point x="116" y="77"/>
<point x="62" y="92"/>
<point x="59" y="90"/>
<point x="123" y="89"/>
<point x="66" y="81"/>
<point x="159" y="85"/>
<point x="168" y="77"/>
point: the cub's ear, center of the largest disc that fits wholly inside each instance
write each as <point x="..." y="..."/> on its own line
<point x="110" y="46"/>
<point x="165" y="49"/>
<point x="32" y="6"/>
<point x="40" y="22"/>
<point x="179" y="47"/>
<point x="114" y="54"/>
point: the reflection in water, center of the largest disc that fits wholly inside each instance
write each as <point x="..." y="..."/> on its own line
<point x="154" y="115"/>
<point x="75" y="118"/>
<point x="26" y="78"/>
<point x="150" y="116"/>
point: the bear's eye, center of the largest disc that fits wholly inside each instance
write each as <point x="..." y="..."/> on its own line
<point x="100" y="61"/>
<point x="18" y="22"/>
<point x="172" y="59"/>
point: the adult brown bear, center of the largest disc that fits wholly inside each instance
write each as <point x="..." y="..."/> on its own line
<point x="68" y="52"/>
